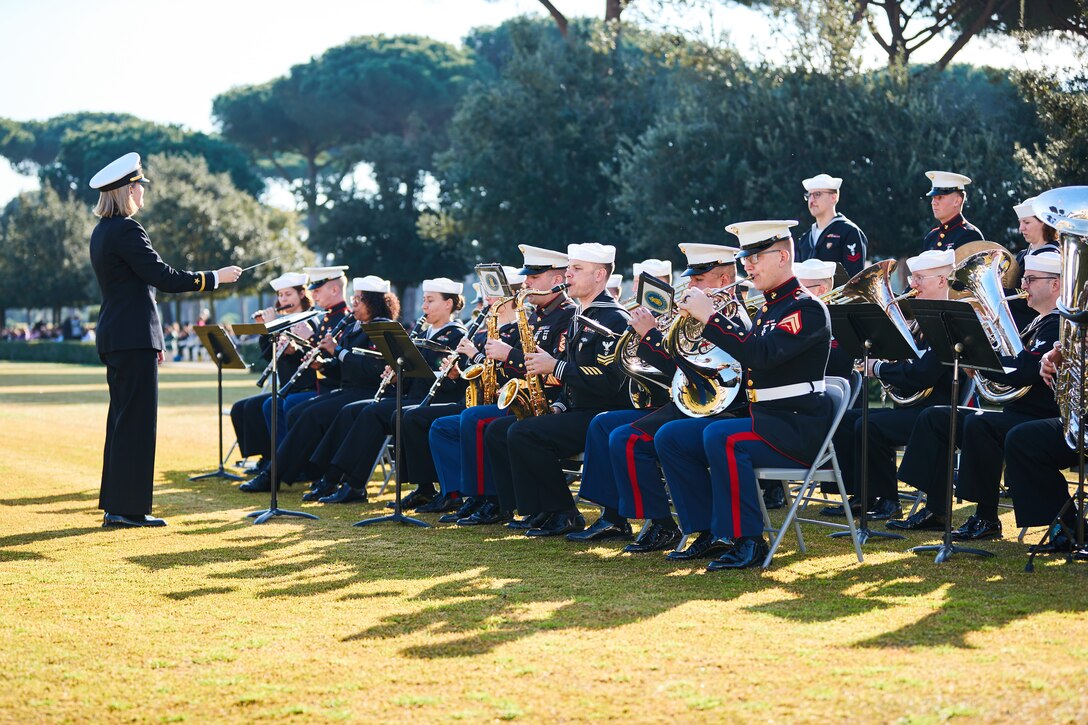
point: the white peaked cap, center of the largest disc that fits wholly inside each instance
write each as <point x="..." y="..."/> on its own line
<point x="538" y="259"/>
<point x="119" y="172"/>
<point x="705" y="257"/>
<point x="321" y="274"/>
<point x="445" y="285"/>
<point x="822" y="181"/>
<point x="290" y="279"/>
<point x="814" y="269"/>
<point x="371" y="283"/>
<point x="1044" y="262"/>
<point x="652" y="267"/>
<point x="1025" y="209"/>
<point x="932" y="259"/>
<point x="592" y="252"/>
<point x="757" y="235"/>
<point x="946" y="181"/>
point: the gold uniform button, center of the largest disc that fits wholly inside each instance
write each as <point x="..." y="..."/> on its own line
<point x="764" y="308"/>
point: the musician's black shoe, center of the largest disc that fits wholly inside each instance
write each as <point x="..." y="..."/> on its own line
<point x="440" y="504"/>
<point x="487" y="514"/>
<point x="320" y="488"/>
<point x="774" y="496"/>
<point x="528" y="522"/>
<point x="839" y="512"/>
<point x="345" y="494"/>
<point x="559" y="523"/>
<point x="1058" y="542"/>
<point x="128" y="521"/>
<point x="655" y="537"/>
<point x="882" y="509"/>
<point x="975" y="528"/>
<point x="415" y="499"/>
<point x="469" y="504"/>
<point x="704" y="547"/>
<point x="602" y="530"/>
<point x="261" y="483"/>
<point x="924" y="520"/>
<point x="747" y="551"/>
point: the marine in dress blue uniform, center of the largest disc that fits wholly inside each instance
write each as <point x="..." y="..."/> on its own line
<point x="838" y="239"/>
<point x="947" y="198"/>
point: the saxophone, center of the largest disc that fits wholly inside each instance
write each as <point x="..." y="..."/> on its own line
<point x="526" y="397"/>
<point x="483" y="378"/>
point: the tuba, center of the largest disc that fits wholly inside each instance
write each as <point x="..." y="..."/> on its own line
<point x="981" y="277"/>
<point x="1066" y="209"/>
<point x="525" y="397"/>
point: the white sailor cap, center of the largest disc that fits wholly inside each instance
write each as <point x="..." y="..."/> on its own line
<point x="822" y="181"/>
<point x="1043" y="262"/>
<point x="758" y="235"/>
<point x="513" y="275"/>
<point x="538" y="259"/>
<point x="946" y="182"/>
<point x="814" y="269"/>
<point x="444" y="285"/>
<point x="592" y="252"/>
<point x="705" y="257"/>
<point x="120" y="172"/>
<point x="932" y="259"/>
<point x="290" y="279"/>
<point x="615" y="281"/>
<point x="1025" y="209"/>
<point x="652" y="267"/>
<point x="321" y="275"/>
<point x="371" y="283"/>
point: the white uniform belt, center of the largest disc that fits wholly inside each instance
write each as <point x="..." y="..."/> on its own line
<point x="765" y="395"/>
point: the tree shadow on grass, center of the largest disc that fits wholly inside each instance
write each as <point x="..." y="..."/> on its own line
<point x="55" y="498"/>
<point x="32" y="537"/>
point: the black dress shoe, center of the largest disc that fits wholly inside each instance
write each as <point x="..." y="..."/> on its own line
<point x="559" y="524"/>
<point x="705" y="547"/>
<point x="469" y="505"/>
<point x="344" y="494"/>
<point x="1057" y="543"/>
<point x="839" y="512"/>
<point x="415" y="499"/>
<point x="656" y="537"/>
<point x="124" y="521"/>
<point x="924" y="520"/>
<point x="487" y="514"/>
<point x="975" y="528"/>
<point x="440" y="504"/>
<point x="882" y="509"/>
<point x="528" y="522"/>
<point x="774" y="496"/>
<point x="261" y="483"/>
<point x="746" y="552"/>
<point x="602" y="530"/>
<point x="320" y="489"/>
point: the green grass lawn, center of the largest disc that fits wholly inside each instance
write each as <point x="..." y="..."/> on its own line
<point x="213" y="619"/>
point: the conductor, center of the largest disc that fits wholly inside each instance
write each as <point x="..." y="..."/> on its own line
<point x="129" y="338"/>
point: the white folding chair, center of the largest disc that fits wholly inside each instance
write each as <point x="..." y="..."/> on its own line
<point x="825" y="468"/>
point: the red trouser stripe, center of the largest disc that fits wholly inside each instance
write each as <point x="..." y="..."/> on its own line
<point x="734" y="484"/>
<point x="480" y="424"/>
<point x="632" y="470"/>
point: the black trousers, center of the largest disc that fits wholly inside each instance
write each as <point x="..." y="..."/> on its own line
<point x="1035" y="456"/>
<point x="888" y="428"/>
<point x="336" y="434"/>
<point x="416" y="462"/>
<point x="980" y="436"/>
<point x="250" y="427"/>
<point x="128" y="457"/>
<point x="307" y="424"/>
<point x="525" y="458"/>
<point x="355" y="458"/>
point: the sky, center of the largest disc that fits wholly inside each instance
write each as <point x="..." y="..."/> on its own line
<point x="165" y="62"/>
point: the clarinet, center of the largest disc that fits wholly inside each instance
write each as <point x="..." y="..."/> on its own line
<point x="387" y="377"/>
<point x="448" y="363"/>
<point x="279" y="351"/>
<point x="310" y="356"/>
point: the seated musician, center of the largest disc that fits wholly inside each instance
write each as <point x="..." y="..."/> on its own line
<point x="526" y="455"/>
<point x="660" y="268"/>
<point x="620" y="471"/>
<point x="980" y="434"/>
<point x="784" y="354"/>
<point x="250" y="428"/>
<point x="615" y="286"/>
<point x="891" y="427"/>
<point x="457" y="442"/>
<point x="818" y="277"/>
<point x="1040" y="238"/>
<point x="358" y="374"/>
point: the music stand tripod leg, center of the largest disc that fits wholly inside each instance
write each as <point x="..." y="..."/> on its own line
<point x="220" y="472"/>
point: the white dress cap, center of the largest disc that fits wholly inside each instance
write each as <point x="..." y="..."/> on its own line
<point x="652" y="267"/>
<point x="1050" y="262"/>
<point x="932" y="259"/>
<point x="1025" y="209"/>
<point x="814" y="269"/>
<point x="371" y="283"/>
<point x="538" y="259"/>
<point x="445" y="285"/>
<point x="822" y="181"/>
<point x="705" y="257"/>
<point x="513" y="275"/>
<point x="757" y="236"/>
<point x="615" y="282"/>
<point x="120" y="172"/>
<point x="945" y="182"/>
<point x="291" y="279"/>
<point x="592" y="252"/>
<point x="321" y="275"/>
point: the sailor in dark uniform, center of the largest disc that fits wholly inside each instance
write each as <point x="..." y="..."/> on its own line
<point x="784" y="354"/>
<point x="981" y="434"/>
<point x="1040" y="238"/>
<point x="129" y="337"/>
<point x="819" y="278"/>
<point x="527" y="455"/>
<point x="947" y="199"/>
<point x="832" y="237"/>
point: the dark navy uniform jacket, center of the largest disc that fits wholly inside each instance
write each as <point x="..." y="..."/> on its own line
<point x="550" y="324"/>
<point x="1019" y="307"/>
<point x="287" y="365"/>
<point x="788" y="344"/>
<point x="956" y="232"/>
<point x="330" y="373"/>
<point x="911" y="376"/>
<point x="1038" y="338"/>
<point x="357" y="370"/>
<point x="416" y="388"/>
<point x="841" y="241"/>
<point x="588" y="367"/>
<point x="129" y="271"/>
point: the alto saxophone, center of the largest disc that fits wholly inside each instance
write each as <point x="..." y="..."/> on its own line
<point x="483" y="378"/>
<point x="526" y="397"/>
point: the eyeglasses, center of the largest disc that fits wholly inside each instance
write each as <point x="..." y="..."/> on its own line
<point x="918" y="278"/>
<point x="818" y="194"/>
<point x="1031" y="278"/>
<point x="752" y="258"/>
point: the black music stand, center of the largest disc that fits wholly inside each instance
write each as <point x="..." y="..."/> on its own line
<point x="400" y="353"/>
<point x="222" y="350"/>
<point x="955" y="334"/>
<point x="865" y="331"/>
<point x="274" y="329"/>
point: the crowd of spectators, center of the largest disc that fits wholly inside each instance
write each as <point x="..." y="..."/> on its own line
<point x="71" y="329"/>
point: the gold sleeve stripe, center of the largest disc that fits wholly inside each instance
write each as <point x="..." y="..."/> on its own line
<point x="591" y="371"/>
<point x="201" y="283"/>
